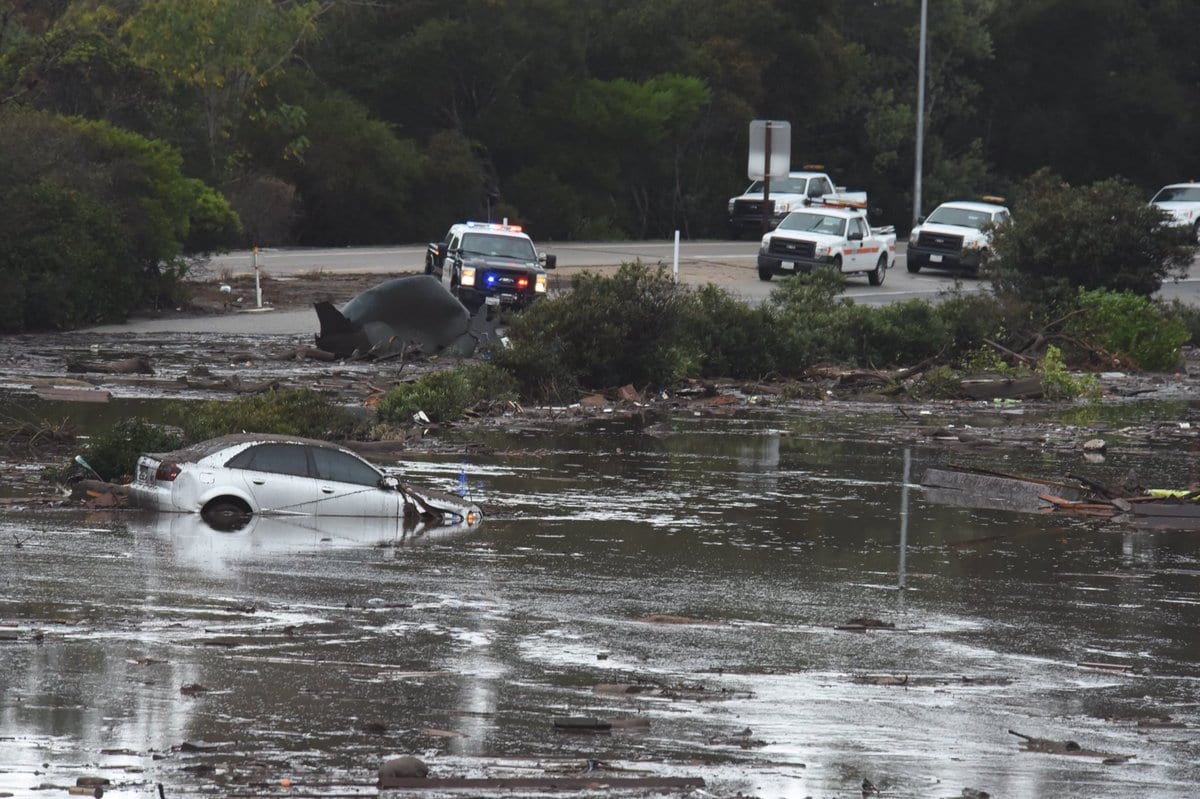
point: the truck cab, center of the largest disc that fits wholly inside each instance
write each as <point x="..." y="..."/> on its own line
<point x="489" y="263"/>
<point x="795" y="191"/>
<point x="957" y="235"/>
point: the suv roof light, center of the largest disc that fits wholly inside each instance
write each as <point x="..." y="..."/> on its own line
<point x="991" y="198"/>
<point x="495" y="226"/>
<point x="813" y="168"/>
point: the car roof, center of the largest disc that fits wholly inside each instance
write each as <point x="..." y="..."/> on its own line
<point x="1184" y="185"/>
<point x="203" y="449"/>
<point x="971" y="205"/>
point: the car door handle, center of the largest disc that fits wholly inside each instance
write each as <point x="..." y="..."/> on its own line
<point x="259" y="482"/>
<point x="326" y="490"/>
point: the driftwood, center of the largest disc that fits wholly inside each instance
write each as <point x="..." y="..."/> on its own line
<point x="994" y="491"/>
<point x="130" y="366"/>
<point x="997" y="387"/>
<point x="1013" y="356"/>
<point x="1052" y="747"/>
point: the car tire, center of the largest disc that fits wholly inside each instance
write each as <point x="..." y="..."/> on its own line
<point x="428" y="265"/>
<point x="226" y="514"/>
<point x="836" y="263"/>
<point x="912" y="266"/>
<point x="875" y="277"/>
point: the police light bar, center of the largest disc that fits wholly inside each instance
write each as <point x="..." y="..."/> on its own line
<point x="495" y="226"/>
<point x="813" y="168"/>
<point x="991" y="198"/>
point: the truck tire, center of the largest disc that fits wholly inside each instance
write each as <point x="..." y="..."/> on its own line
<point x="837" y="264"/>
<point x="875" y="277"/>
<point x="765" y="274"/>
<point x="428" y="265"/>
<point x="913" y="266"/>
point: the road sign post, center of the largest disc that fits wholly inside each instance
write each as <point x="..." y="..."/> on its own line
<point x="770" y="156"/>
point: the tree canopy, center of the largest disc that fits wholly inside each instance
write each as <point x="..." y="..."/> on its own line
<point x="348" y="122"/>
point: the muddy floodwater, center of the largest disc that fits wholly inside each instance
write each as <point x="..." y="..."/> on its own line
<point x="683" y="581"/>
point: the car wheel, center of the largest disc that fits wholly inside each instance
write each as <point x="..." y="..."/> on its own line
<point x="765" y="274"/>
<point x="876" y="276"/>
<point x="226" y="514"/>
<point x="913" y="266"/>
<point x="428" y="265"/>
<point x="837" y="264"/>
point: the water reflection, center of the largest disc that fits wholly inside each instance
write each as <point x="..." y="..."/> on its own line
<point x="190" y="539"/>
<point x="329" y="648"/>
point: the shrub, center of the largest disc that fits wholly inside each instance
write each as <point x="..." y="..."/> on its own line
<point x="1186" y="315"/>
<point x="608" y="331"/>
<point x="1099" y="236"/>
<point x="1058" y="383"/>
<point x="444" y="396"/>
<point x="1129" y="326"/>
<point x="727" y="337"/>
<point x="295" y="413"/>
<point x="114" y="453"/>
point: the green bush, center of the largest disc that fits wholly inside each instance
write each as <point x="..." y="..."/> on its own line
<point x="114" y="453"/>
<point x="1186" y="315"/>
<point x="1099" y="236"/>
<point x="728" y="337"/>
<point x="295" y="413"/>
<point x="607" y="331"/>
<point x="444" y="396"/>
<point x="1059" y="384"/>
<point x="1131" y="327"/>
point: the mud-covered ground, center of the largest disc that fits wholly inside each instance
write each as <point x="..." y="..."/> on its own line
<point x="50" y="382"/>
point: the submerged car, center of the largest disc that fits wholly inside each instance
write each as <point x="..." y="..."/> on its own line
<point x="239" y="475"/>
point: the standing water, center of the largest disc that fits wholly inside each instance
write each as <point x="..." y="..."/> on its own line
<point x="764" y="603"/>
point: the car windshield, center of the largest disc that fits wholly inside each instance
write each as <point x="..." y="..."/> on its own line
<point x="1178" y="194"/>
<point x="781" y="186"/>
<point x="496" y="246"/>
<point x="959" y="217"/>
<point x="814" y="223"/>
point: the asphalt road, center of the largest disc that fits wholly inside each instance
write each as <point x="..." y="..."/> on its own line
<point x="699" y="262"/>
<point x="730" y="264"/>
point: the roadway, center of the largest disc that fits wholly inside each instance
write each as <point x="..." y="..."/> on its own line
<point x="729" y="264"/>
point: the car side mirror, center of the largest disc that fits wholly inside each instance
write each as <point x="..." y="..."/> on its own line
<point x="920" y="220"/>
<point x="855" y="236"/>
<point x="389" y="483"/>
<point x="551" y="261"/>
<point x="441" y="250"/>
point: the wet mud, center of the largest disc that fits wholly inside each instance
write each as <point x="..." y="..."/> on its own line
<point x="694" y="586"/>
<point x="726" y="585"/>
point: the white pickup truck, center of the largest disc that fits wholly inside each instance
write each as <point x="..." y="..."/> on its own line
<point x="833" y="234"/>
<point x="957" y="235"/>
<point x="1181" y="202"/>
<point x="797" y="190"/>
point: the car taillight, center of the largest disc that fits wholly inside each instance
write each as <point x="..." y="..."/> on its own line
<point x="166" y="472"/>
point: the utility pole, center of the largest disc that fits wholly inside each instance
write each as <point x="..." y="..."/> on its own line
<point x="920" y="115"/>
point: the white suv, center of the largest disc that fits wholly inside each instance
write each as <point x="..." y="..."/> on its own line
<point x="1181" y="202"/>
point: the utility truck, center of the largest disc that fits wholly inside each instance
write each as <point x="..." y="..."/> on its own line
<point x="828" y="233"/>
<point x="797" y="190"/>
<point x="957" y="235"/>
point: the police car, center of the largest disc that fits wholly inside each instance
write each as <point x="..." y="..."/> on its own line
<point x="489" y="263"/>
<point x="957" y="235"/>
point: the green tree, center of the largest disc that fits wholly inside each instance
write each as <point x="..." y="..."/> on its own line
<point x="223" y="51"/>
<point x="1103" y="235"/>
<point x="96" y="220"/>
